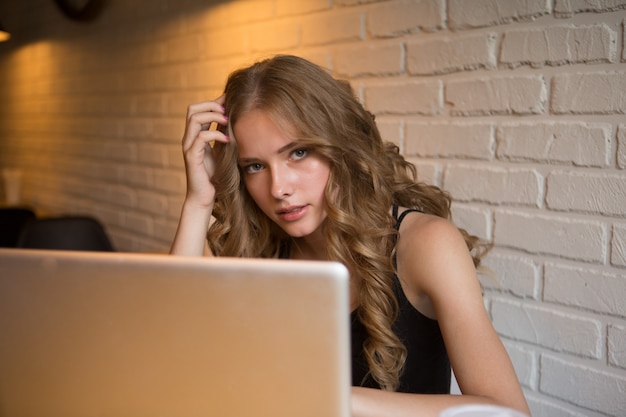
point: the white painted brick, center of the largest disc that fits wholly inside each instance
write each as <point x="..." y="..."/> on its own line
<point x="618" y="245"/>
<point x="329" y="28"/>
<point x="525" y="362"/>
<point x="516" y="274"/>
<point x="149" y="105"/>
<point x="585" y="288"/>
<point x="585" y="386"/>
<point x="547" y="407"/>
<point x="617" y="345"/>
<point x="137" y="222"/>
<point x="449" y="140"/>
<point x="497" y="95"/>
<point x="390" y="130"/>
<point x="493" y="12"/>
<point x="393" y="18"/>
<point x="290" y="7"/>
<point x="135" y="175"/>
<point x="550" y="234"/>
<point x="587" y="192"/>
<point x="406" y="97"/>
<point x="497" y="185"/>
<point x="474" y="220"/>
<point x="621" y="144"/>
<point x="240" y="12"/>
<point x="369" y="59"/>
<point x="577" y="143"/>
<point x="559" y="45"/>
<point x="224" y="42"/>
<point x="274" y="36"/>
<point x="151" y="202"/>
<point x="168" y="181"/>
<point x="137" y="129"/>
<point x="164" y="231"/>
<point x="184" y="48"/>
<point x="559" y="331"/>
<point x="428" y="172"/>
<point x="351" y="2"/>
<point x="451" y="54"/>
<point x="567" y="8"/>
<point x="589" y="93"/>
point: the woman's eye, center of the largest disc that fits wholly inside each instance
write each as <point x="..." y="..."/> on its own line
<point x="300" y="153"/>
<point x="252" y="168"/>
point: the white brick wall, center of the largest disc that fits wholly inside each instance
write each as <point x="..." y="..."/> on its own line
<point x="515" y="107"/>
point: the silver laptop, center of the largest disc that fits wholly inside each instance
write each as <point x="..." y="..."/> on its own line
<point x="111" y="334"/>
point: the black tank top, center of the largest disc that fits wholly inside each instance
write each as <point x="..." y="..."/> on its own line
<point x="427" y="367"/>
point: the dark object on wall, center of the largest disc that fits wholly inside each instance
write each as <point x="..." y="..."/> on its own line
<point x="81" y="10"/>
<point x="81" y="233"/>
<point x="12" y="220"/>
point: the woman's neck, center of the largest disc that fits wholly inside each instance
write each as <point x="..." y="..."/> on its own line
<point x="311" y="247"/>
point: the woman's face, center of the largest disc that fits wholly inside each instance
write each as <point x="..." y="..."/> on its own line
<point x="287" y="181"/>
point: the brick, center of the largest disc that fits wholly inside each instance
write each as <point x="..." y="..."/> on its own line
<point x="617" y="345"/>
<point x="451" y="54"/>
<point x="493" y="12"/>
<point x="238" y="12"/>
<point x="151" y="202"/>
<point x="546" y="406"/>
<point x="405" y="97"/>
<point x="476" y="221"/>
<point x="495" y="185"/>
<point x="559" y="331"/>
<point x="135" y="175"/>
<point x="137" y="222"/>
<point x="224" y="42"/>
<point x="185" y="48"/>
<point x="331" y="28"/>
<point x="153" y="154"/>
<point x="589" y="93"/>
<point x="562" y="236"/>
<point x="497" y="95"/>
<point x="618" y="245"/>
<point x="621" y="146"/>
<point x="290" y="7"/>
<point x="576" y="143"/>
<point x="559" y="45"/>
<point x="568" y="8"/>
<point x="274" y="36"/>
<point x="585" y="288"/>
<point x="586" y="192"/>
<point x="427" y="172"/>
<point x="369" y="59"/>
<point x="586" y="386"/>
<point x="516" y="274"/>
<point x="525" y="362"/>
<point x="394" y="18"/>
<point x="351" y="2"/>
<point x="165" y="181"/>
<point x="390" y="130"/>
<point x="450" y="140"/>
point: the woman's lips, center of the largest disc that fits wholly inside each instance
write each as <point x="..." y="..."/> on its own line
<point x="292" y="213"/>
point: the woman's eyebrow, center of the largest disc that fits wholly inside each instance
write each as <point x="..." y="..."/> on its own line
<point x="280" y="150"/>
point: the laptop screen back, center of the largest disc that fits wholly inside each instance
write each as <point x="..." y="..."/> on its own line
<point x="95" y="334"/>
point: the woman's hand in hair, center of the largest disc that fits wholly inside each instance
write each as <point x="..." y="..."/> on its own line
<point x="196" y="213"/>
<point x="200" y="133"/>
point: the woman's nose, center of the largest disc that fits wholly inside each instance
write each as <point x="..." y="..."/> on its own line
<point x="282" y="182"/>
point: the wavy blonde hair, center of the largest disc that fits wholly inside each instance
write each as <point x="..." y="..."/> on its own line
<point x="367" y="177"/>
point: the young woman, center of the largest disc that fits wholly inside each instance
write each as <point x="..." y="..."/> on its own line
<point x="298" y="170"/>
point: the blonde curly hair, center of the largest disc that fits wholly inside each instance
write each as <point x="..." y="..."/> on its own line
<point x="367" y="177"/>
